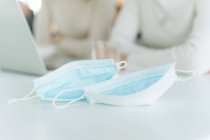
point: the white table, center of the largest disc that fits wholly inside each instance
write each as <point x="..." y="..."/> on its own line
<point x="183" y="113"/>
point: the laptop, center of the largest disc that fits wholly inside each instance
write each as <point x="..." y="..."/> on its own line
<point x="18" y="50"/>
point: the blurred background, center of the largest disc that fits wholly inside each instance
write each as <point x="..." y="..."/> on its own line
<point x="67" y="30"/>
<point x="63" y="37"/>
<point x="31" y="8"/>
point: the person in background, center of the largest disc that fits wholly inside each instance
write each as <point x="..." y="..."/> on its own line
<point x="71" y="25"/>
<point x="171" y="31"/>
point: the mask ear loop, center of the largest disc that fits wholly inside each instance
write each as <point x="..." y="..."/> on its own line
<point x="120" y="66"/>
<point x="191" y="74"/>
<point x="25" y="98"/>
<point x="67" y="104"/>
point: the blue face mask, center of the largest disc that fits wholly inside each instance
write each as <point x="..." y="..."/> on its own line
<point x="140" y="88"/>
<point x="72" y="78"/>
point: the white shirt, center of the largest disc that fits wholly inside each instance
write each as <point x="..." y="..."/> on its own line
<point x="171" y="30"/>
<point x="78" y="22"/>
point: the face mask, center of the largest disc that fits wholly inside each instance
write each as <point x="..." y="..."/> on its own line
<point x="139" y="88"/>
<point x="72" y="78"/>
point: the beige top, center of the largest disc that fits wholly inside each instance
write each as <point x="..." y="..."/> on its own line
<point x="78" y="22"/>
<point x="172" y="30"/>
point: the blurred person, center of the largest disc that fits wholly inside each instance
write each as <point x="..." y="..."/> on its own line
<point x="70" y="25"/>
<point x="171" y="31"/>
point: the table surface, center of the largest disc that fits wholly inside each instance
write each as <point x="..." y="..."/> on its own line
<point x="182" y="113"/>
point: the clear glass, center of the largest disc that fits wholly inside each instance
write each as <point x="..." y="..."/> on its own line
<point x="107" y="50"/>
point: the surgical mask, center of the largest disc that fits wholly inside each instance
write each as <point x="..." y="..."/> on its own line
<point x="72" y="78"/>
<point x="136" y="89"/>
<point x="140" y="88"/>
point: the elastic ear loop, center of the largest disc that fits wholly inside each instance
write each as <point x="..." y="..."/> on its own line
<point x="192" y="73"/>
<point x="67" y="104"/>
<point x="120" y="66"/>
<point x="25" y="98"/>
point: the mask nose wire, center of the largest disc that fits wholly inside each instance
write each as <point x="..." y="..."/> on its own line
<point x="189" y="75"/>
<point x="67" y="104"/>
<point x="25" y="98"/>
